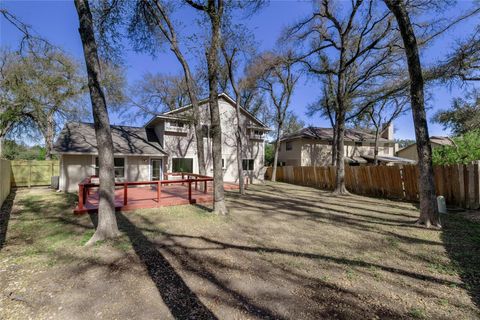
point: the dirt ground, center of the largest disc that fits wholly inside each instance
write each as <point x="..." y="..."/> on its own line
<point x="284" y="252"/>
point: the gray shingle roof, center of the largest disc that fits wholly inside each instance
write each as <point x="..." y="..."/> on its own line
<point x="327" y="134"/>
<point x="79" y="137"/>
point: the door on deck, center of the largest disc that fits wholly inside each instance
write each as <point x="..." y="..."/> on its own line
<point x="156" y="171"/>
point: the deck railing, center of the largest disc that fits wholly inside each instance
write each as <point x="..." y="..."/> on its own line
<point x="186" y="178"/>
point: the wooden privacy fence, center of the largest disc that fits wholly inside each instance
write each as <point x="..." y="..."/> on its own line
<point x="28" y="173"/>
<point x="5" y="174"/>
<point x="459" y="184"/>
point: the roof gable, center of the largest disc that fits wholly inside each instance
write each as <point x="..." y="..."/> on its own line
<point x="226" y="98"/>
<point x="80" y="138"/>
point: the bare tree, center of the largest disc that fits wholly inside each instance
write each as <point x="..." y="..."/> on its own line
<point x="107" y="222"/>
<point x="230" y="56"/>
<point x="275" y="74"/>
<point x="158" y="93"/>
<point x="214" y="11"/>
<point x="357" y="49"/>
<point x="428" y="203"/>
<point x="149" y="18"/>
<point x="380" y="116"/>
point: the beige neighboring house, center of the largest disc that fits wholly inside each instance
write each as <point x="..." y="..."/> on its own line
<point x="313" y="147"/>
<point x="166" y="143"/>
<point x="410" y="151"/>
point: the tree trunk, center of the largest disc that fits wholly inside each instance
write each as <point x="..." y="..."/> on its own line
<point x="238" y="134"/>
<point x="334" y="142"/>
<point x="49" y="136"/>
<point x="375" y="149"/>
<point x="275" y="156"/>
<point x="428" y="203"/>
<point x="340" y="187"/>
<point x="107" y="222"/>
<point x="215" y="15"/>
<point x="191" y="88"/>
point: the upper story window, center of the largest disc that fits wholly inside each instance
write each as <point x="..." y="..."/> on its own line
<point x="118" y="165"/>
<point x="288" y="146"/>
<point x="248" y="164"/>
<point x="176" y="124"/>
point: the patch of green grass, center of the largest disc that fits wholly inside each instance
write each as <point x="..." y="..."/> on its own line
<point x="351" y="275"/>
<point x="444" y="268"/>
<point x="417" y="313"/>
<point x="393" y="242"/>
<point x="86" y="236"/>
<point x="443" y="302"/>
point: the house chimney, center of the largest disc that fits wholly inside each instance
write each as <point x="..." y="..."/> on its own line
<point x="387" y="132"/>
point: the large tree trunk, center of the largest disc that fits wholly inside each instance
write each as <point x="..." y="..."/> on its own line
<point x="107" y="222"/>
<point x="215" y="14"/>
<point x="334" y="141"/>
<point x="428" y="204"/>
<point x="171" y="36"/>
<point x="238" y="135"/>
<point x="340" y="187"/>
<point x="275" y="156"/>
<point x="49" y="136"/>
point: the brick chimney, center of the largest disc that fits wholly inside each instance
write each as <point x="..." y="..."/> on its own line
<point x="387" y="132"/>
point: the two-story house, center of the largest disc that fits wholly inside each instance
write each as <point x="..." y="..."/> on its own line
<point x="166" y="143"/>
<point x="313" y="147"/>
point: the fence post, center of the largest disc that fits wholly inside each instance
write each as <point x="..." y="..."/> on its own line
<point x="29" y="173"/>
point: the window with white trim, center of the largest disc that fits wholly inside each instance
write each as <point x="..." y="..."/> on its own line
<point x="118" y="166"/>
<point x="248" y="164"/>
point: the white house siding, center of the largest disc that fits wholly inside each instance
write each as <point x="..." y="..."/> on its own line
<point x="75" y="168"/>
<point x="183" y="145"/>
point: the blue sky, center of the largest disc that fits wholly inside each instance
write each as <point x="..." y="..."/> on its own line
<point x="57" y="21"/>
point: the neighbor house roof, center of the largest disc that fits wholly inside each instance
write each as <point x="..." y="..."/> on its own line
<point x="79" y="138"/>
<point x="435" y="140"/>
<point x="444" y="141"/>
<point x="327" y="134"/>
<point x="223" y="95"/>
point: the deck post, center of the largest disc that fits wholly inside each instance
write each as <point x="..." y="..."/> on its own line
<point x="190" y="191"/>
<point x="125" y="194"/>
<point x="205" y="186"/>
<point x="159" y="185"/>
<point x="80" y="196"/>
<point x="196" y="187"/>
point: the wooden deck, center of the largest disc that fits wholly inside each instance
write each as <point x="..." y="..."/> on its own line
<point x="140" y="197"/>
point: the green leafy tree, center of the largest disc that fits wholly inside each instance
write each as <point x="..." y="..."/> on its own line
<point x="465" y="150"/>
<point x="463" y="116"/>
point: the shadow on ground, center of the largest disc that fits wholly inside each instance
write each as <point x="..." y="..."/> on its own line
<point x="461" y="237"/>
<point x="5" y="212"/>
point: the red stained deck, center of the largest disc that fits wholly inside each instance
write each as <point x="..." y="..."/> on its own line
<point x="146" y="196"/>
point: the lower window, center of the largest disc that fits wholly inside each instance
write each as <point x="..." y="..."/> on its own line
<point x="118" y="165"/>
<point x="247" y="164"/>
<point x="182" y="165"/>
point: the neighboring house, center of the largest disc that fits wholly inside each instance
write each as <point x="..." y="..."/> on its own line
<point x="166" y="143"/>
<point x="313" y="147"/>
<point x="410" y="151"/>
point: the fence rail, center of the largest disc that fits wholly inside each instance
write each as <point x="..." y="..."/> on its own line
<point x="28" y="173"/>
<point x="5" y="174"/>
<point x="459" y="184"/>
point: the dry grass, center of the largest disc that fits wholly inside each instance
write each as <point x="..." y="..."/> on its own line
<point x="284" y="252"/>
